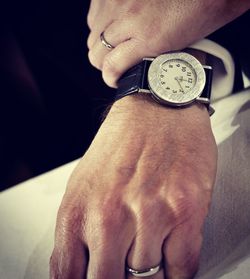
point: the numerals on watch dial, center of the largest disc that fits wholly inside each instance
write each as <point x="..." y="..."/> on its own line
<point x="177" y="77"/>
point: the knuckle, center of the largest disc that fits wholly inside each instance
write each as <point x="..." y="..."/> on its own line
<point x="112" y="218"/>
<point x="185" y="204"/>
<point x="112" y="215"/>
<point x="111" y="73"/>
<point x="90" y="21"/>
<point x="153" y="214"/>
<point x="94" y="60"/>
<point x="90" y="41"/>
<point x="135" y="8"/>
<point x="109" y="64"/>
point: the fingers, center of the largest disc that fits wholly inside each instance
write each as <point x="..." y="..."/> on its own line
<point x="114" y="34"/>
<point x="99" y="18"/>
<point x="145" y="253"/>
<point x="108" y="245"/>
<point x="69" y="261"/>
<point x="106" y="262"/>
<point x="128" y="51"/>
<point x="94" y="36"/>
<point x="100" y="15"/>
<point x="94" y="10"/>
<point x="146" y="250"/>
<point x="97" y="53"/>
<point x="182" y="250"/>
<point x="120" y="59"/>
<point x="158" y="275"/>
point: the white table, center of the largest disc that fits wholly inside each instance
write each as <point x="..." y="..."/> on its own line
<point x="28" y="212"/>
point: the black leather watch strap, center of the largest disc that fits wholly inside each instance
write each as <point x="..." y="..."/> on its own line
<point x="206" y="93"/>
<point x="133" y="80"/>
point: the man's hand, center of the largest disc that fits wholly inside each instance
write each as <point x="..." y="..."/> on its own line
<point x="145" y="28"/>
<point x="139" y="195"/>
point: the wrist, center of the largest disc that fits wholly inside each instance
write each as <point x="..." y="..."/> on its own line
<point x="175" y="79"/>
<point x="143" y="108"/>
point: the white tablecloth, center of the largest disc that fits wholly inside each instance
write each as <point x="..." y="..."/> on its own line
<point x="28" y="212"/>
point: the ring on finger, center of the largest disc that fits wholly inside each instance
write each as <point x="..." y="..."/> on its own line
<point x="145" y="272"/>
<point x="105" y="42"/>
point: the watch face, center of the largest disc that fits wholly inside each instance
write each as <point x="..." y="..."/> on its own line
<point x="176" y="78"/>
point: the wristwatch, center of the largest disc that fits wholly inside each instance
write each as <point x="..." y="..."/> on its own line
<point x="175" y="79"/>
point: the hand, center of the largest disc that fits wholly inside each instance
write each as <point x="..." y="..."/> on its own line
<point x="139" y="195"/>
<point x="147" y="28"/>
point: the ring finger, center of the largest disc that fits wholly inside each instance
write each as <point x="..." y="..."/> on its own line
<point x="146" y="253"/>
<point x="116" y="33"/>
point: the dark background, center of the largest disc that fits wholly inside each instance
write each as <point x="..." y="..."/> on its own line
<point x="51" y="98"/>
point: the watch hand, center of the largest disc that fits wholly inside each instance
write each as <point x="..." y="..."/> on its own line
<point x="176" y="78"/>
<point x="181" y="78"/>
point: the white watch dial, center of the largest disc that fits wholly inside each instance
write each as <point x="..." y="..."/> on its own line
<point x="176" y="78"/>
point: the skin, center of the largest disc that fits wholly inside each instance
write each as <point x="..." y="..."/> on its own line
<point x="140" y="194"/>
<point x="147" y="28"/>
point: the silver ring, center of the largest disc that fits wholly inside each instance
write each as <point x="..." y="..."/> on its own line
<point x="146" y="272"/>
<point x="105" y="43"/>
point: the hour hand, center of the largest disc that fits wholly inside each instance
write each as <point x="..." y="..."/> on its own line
<point x="181" y="78"/>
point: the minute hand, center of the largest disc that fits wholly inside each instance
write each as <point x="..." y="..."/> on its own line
<point x="176" y="78"/>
